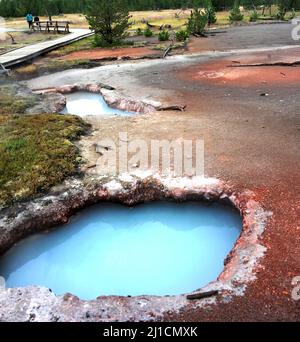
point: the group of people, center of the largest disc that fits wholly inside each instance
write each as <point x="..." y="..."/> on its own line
<point x="31" y="21"/>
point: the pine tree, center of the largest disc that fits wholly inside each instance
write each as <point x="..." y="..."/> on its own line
<point x="109" y="20"/>
<point x="235" y="13"/>
<point x="282" y="9"/>
<point x="197" y="22"/>
<point x="210" y="12"/>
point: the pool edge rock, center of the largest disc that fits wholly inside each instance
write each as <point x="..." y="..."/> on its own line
<point x="56" y="96"/>
<point x="113" y="98"/>
<point x="40" y="304"/>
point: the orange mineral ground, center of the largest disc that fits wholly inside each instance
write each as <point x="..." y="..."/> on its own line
<point x="99" y="53"/>
<point x="248" y="70"/>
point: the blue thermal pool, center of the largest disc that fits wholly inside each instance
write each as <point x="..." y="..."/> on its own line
<point x="83" y="103"/>
<point x="158" y="248"/>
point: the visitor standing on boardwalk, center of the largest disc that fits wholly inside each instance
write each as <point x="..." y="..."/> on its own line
<point x="29" y="18"/>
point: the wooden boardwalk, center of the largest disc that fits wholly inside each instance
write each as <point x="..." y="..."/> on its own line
<point x="29" y="52"/>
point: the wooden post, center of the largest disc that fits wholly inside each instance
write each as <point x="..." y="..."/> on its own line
<point x="202" y="295"/>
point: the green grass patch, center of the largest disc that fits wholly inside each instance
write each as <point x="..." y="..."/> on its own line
<point x="163" y="47"/>
<point x="50" y="65"/>
<point x="59" y="64"/>
<point x="83" y="44"/>
<point x="37" y="152"/>
<point x="87" y="44"/>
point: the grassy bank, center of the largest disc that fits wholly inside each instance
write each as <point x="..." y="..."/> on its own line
<point x="37" y="151"/>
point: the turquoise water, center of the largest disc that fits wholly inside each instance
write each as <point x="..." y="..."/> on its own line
<point x="83" y="103"/>
<point x="156" y="248"/>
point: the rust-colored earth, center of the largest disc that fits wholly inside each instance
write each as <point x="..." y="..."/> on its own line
<point x="99" y="53"/>
<point x="231" y="72"/>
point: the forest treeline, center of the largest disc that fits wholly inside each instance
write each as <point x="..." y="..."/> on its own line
<point x="17" y="8"/>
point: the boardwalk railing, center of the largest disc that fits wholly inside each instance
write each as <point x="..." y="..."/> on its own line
<point x="31" y="51"/>
<point x="52" y="26"/>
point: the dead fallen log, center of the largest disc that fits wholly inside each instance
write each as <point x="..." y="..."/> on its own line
<point x="176" y="108"/>
<point x="202" y="295"/>
<point x="150" y="25"/>
<point x="167" y="51"/>
<point x="165" y="27"/>
<point x="201" y="35"/>
<point x="129" y="58"/>
<point x="106" y="59"/>
<point x="12" y="38"/>
<point x="215" y="32"/>
<point x="91" y="166"/>
<point x="105" y="86"/>
<point x="283" y="64"/>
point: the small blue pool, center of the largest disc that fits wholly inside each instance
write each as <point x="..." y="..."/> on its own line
<point x="83" y="103"/>
<point x="158" y="248"/>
